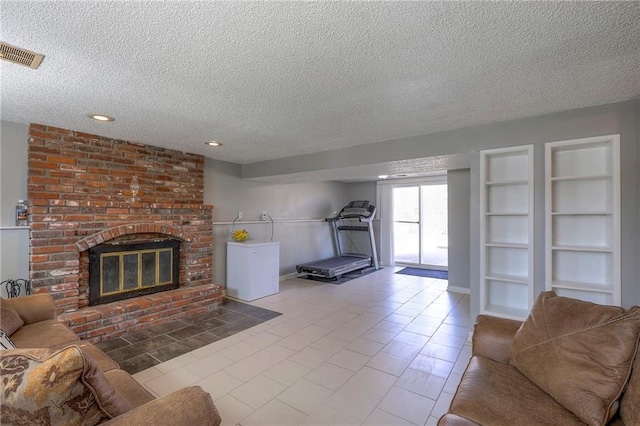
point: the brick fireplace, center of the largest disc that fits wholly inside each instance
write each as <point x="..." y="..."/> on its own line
<point x="80" y="197"/>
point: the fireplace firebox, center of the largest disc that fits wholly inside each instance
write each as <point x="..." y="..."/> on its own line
<point x="124" y="270"/>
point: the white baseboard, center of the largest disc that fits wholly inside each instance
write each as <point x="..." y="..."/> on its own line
<point x="291" y="275"/>
<point x="461" y="290"/>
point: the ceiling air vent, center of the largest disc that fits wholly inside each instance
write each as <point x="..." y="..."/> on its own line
<point x="20" y="56"/>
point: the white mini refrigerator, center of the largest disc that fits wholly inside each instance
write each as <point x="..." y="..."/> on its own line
<point x="253" y="269"/>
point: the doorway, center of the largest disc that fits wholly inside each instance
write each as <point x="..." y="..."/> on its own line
<point x="420" y="224"/>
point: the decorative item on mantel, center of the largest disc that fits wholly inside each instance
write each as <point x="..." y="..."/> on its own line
<point x="21" y="213"/>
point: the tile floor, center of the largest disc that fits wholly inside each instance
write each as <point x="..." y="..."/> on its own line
<point x="384" y="349"/>
<point x="143" y="349"/>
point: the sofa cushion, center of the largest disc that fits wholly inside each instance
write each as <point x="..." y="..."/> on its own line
<point x="44" y="334"/>
<point x="104" y="361"/>
<point x="629" y="404"/>
<point x="9" y="318"/>
<point x="578" y="352"/>
<point x="43" y="386"/>
<point x="492" y="393"/>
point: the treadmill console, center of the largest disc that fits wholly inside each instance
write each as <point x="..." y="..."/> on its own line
<point x="359" y="209"/>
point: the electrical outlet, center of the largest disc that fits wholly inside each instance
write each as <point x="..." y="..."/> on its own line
<point x="264" y="215"/>
<point x="239" y="215"/>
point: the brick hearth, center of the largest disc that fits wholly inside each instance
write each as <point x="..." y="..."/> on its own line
<point x="79" y="196"/>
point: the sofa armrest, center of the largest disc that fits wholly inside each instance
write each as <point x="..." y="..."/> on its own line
<point x="188" y="406"/>
<point x="33" y="308"/>
<point x="492" y="337"/>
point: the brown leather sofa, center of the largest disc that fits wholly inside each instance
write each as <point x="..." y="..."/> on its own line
<point x="35" y="326"/>
<point x="493" y="390"/>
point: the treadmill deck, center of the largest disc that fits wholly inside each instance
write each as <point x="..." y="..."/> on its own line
<point x="335" y="266"/>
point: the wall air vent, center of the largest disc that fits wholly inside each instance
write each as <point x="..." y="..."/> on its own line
<point x="20" y="56"/>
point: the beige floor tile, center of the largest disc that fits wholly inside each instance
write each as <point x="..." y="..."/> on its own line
<point x="248" y="368"/>
<point x="381" y="418"/>
<point x="258" y="391"/>
<point x="346" y="333"/>
<point x="421" y="383"/>
<point x="325" y="415"/>
<point x="329" y="344"/>
<point x="432" y="421"/>
<point x="389" y="326"/>
<point x="232" y="411"/>
<point x="262" y="340"/>
<point x="436" y="350"/>
<point x="442" y="405"/>
<point x="365" y="346"/>
<point x="452" y="383"/>
<point x="219" y="384"/>
<point x="411" y="338"/>
<point x="407" y="405"/>
<point x="275" y="413"/>
<point x="380" y="336"/>
<point x="330" y="376"/>
<point x="402" y="350"/>
<point x="372" y="380"/>
<point x="238" y="351"/>
<point x="287" y="372"/>
<point x="274" y="354"/>
<point x="348" y="359"/>
<point x="311" y="357"/>
<point x="354" y="402"/>
<point x="208" y="365"/>
<point x="305" y="396"/>
<point x="172" y="381"/>
<point x="449" y="340"/>
<point x="388" y="363"/>
<point x="297" y="341"/>
<point x="433" y="366"/>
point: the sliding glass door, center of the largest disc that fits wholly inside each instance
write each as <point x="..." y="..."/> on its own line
<point x="420" y="234"/>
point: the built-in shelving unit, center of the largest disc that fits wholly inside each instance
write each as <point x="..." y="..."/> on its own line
<point x="506" y="255"/>
<point x="582" y="190"/>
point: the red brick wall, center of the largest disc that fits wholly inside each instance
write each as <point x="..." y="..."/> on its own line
<point x="78" y="186"/>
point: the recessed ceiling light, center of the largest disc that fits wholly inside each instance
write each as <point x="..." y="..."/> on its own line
<point x="213" y="143"/>
<point x="101" y="117"/>
<point x="383" y="176"/>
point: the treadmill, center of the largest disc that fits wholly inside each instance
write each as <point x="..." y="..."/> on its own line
<point x="343" y="263"/>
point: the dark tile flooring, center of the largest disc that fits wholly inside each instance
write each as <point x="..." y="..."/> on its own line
<point x="146" y="348"/>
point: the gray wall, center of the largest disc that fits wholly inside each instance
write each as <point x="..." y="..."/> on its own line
<point x="458" y="192"/>
<point x="289" y="205"/>
<point x="14" y="243"/>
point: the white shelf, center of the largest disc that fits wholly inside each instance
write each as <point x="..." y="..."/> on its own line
<point x="508" y="245"/>
<point x="524" y="214"/>
<point x="508" y="278"/>
<point x="507" y="183"/>
<point x="583" y="249"/>
<point x="582" y="190"/>
<point x="506" y="242"/>
<point x="582" y="287"/>
<point x="580" y="178"/>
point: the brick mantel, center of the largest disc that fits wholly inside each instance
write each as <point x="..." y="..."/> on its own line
<point x="79" y="196"/>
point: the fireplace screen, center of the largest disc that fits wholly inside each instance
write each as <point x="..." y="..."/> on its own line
<point x="119" y="271"/>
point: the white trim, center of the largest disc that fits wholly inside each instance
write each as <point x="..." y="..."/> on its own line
<point x="456" y="289"/>
<point x="291" y="275"/>
<point x="256" y="222"/>
<point x="12" y="228"/>
<point x="427" y="180"/>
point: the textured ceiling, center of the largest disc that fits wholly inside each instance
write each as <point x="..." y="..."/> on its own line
<point x="276" y="79"/>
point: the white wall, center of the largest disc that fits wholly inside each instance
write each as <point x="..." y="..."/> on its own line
<point x="14" y="243"/>
<point x="289" y="205"/>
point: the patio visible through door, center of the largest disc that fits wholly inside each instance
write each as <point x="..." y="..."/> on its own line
<point x="420" y="234"/>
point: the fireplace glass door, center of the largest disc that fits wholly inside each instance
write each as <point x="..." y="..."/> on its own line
<point x="119" y="271"/>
